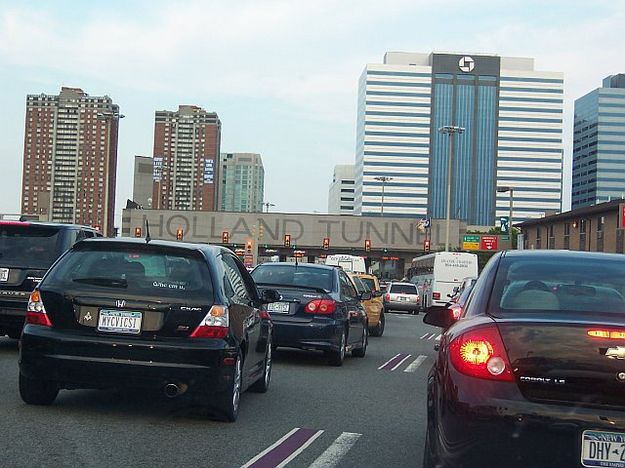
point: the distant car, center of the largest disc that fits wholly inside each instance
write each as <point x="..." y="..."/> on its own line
<point x="117" y="313"/>
<point x="456" y="308"/>
<point x="533" y="373"/>
<point x="373" y="306"/>
<point x="319" y="310"/>
<point x="466" y="283"/>
<point x="402" y="296"/>
<point x="27" y="249"/>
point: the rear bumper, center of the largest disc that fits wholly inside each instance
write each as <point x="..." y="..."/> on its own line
<point x="491" y="423"/>
<point x="322" y="336"/>
<point x="81" y="361"/>
<point x="408" y="306"/>
<point x="12" y="316"/>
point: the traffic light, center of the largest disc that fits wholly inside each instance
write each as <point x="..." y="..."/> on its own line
<point x="287" y="240"/>
<point x="225" y="237"/>
<point x="137" y="231"/>
<point x="426" y="245"/>
<point x="326" y="243"/>
<point x="367" y="245"/>
<point x="179" y="234"/>
<point x="248" y="246"/>
<point x="261" y="231"/>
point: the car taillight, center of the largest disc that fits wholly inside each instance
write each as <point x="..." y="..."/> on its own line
<point x="320" y="306"/>
<point x="416" y="298"/>
<point x="264" y="315"/>
<point x="36" y="312"/>
<point x="387" y="297"/>
<point x="480" y="353"/>
<point x="216" y="324"/>
<point x="436" y="295"/>
<point x="456" y="312"/>
<point x="608" y="334"/>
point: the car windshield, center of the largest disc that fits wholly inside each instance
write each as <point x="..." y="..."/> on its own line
<point x="29" y="246"/>
<point x="403" y="289"/>
<point x="596" y="285"/>
<point x="136" y="271"/>
<point x="288" y="275"/>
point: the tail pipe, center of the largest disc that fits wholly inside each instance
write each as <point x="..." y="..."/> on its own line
<point x="172" y="389"/>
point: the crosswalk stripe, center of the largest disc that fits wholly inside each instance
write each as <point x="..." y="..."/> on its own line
<point x="284" y="449"/>
<point x="414" y="365"/>
<point x="388" y="361"/>
<point x="335" y="452"/>
<point x="401" y="362"/>
<point x="438" y="338"/>
<point x="424" y="336"/>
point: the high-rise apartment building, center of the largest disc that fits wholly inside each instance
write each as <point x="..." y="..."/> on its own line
<point x="242" y="181"/>
<point x="341" y="193"/>
<point x="70" y="158"/>
<point x="186" y="159"/>
<point x="512" y="120"/>
<point x="599" y="144"/>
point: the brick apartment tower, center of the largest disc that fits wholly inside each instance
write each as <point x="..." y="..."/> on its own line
<point x="186" y="159"/>
<point x="70" y="158"/>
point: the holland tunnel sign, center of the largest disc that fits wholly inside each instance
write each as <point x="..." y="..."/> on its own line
<point x="306" y="230"/>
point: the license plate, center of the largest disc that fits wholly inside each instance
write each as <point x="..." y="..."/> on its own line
<point x="4" y="275"/>
<point x="403" y="298"/>
<point x="601" y="448"/>
<point x="119" y="321"/>
<point x="279" y="307"/>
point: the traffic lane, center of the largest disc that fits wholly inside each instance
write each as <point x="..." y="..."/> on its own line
<point x="92" y="428"/>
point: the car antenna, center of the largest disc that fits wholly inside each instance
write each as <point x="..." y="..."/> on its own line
<point x="147" y="232"/>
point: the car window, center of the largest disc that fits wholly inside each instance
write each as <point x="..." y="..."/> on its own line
<point x="403" y="289"/>
<point x="596" y="285"/>
<point x="347" y="288"/>
<point x="238" y="288"/>
<point x="360" y="286"/>
<point x="291" y="275"/>
<point x="29" y="245"/>
<point x="369" y="283"/>
<point x="136" y="270"/>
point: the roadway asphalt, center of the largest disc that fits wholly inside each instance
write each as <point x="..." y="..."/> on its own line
<point x="368" y="413"/>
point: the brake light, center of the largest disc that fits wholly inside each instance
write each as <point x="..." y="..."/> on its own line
<point x="264" y="315"/>
<point x="387" y="297"/>
<point x="436" y="295"/>
<point x="480" y="353"/>
<point x="320" y="306"/>
<point x="36" y="312"/>
<point x="216" y="324"/>
<point x="608" y="334"/>
<point x="456" y="312"/>
<point x="416" y="298"/>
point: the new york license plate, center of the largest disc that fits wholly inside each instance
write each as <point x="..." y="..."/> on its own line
<point x="4" y="275"/>
<point x="119" y="321"/>
<point x="601" y="448"/>
<point x="279" y="307"/>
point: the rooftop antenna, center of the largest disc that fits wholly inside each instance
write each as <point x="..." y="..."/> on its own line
<point x="147" y="232"/>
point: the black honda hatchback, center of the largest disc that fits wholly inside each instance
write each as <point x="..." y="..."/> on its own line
<point x="117" y="313"/>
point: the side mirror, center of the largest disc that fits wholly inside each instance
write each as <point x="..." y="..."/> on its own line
<point x="439" y="317"/>
<point x="270" y="295"/>
<point x="365" y="296"/>
<point x="376" y="294"/>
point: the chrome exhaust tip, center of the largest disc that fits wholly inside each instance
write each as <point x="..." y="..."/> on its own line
<point x="172" y="390"/>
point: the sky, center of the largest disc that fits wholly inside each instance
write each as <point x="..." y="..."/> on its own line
<point x="282" y="75"/>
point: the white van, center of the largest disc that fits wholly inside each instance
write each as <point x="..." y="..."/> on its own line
<point x="351" y="263"/>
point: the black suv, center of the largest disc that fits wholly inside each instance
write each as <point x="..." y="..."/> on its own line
<point x="27" y="249"/>
<point x="114" y="313"/>
<point x="319" y="310"/>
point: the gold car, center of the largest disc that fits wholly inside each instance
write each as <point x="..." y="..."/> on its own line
<point x="374" y="306"/>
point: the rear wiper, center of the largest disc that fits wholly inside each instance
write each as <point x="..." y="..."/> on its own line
<point x="99" y="281"/>
<point x="296" y="286"/>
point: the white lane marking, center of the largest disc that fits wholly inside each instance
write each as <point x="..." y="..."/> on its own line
<point x="388" y="361"/>
<point x="335" y="452"/>
<point x="300" y="450"/>
<point x="270" y="448"/>
<point x="424" y="336"/>
<point x="438" y="338"/>
<point x="414" y="365"/>
<point x="401" y="362"/>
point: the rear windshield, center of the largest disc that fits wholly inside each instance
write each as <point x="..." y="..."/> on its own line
<point x="29" y="246"/>
<point x="135" y="271"/>
<point x="403" y="289"/>
<point x="369" y="283"/>
<point x="288" y="275"/>
<point x="592" y="285"/>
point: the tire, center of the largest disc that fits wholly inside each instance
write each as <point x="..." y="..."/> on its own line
<point x="336" y="358"/>
<point x="429" y="458"/>
<point x="379" y="329"/>
<point x="230" y="408"/>
<point x="360" y="352"/>
<point x="262" y="384"/>
<point x="36" y="391"/>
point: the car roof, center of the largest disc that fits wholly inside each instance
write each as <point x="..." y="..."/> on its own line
<point x="560" y="255"/>
<point x="44" y="224"/>
<point x="402" y="282"/>
<point x="213" y="249"/>
<point x="319" y="266"/>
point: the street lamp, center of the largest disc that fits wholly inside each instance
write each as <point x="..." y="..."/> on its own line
<point x="511" y="190"/>
<point x="108" y="116"/>
<point x="267" y="205"/>
<point x="450" y="130"/>
<point x="384" y="180"/>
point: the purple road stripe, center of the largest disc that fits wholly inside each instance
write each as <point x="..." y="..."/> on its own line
<point x="280" y="453"/>
<point x="393" y="362"/>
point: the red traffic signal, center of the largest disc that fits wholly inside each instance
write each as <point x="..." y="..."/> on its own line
<point x="248" y="246"/>
<point x="326" y="243"/>
<point x="137" y="231"/>
<point x="367" y="245"/>
<point x="179" y="234"/>
<point x="287" y="240"/>
<point x="426" y="245"/>
<point x="225" y="237"/>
